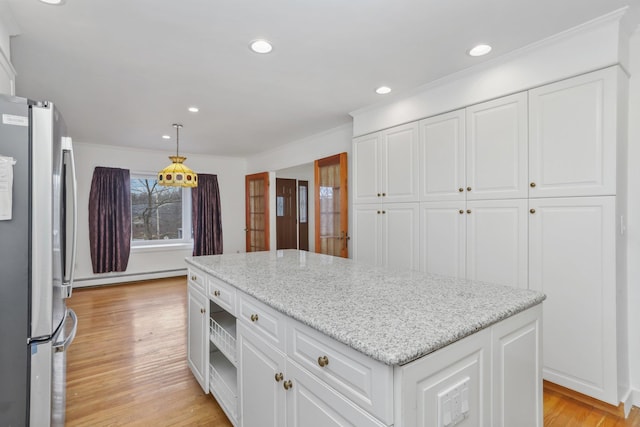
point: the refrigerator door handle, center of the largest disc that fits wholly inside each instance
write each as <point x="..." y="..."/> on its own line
<point x="64" y="345"/>
<point x="67" y="285"/>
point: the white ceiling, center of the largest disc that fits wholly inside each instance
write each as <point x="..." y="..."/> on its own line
<point x="122" y="71"/>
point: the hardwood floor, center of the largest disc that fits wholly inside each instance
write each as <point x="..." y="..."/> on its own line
<point x="127" y="365"/>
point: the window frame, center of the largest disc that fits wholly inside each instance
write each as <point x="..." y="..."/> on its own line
<point x="187" y="238"/>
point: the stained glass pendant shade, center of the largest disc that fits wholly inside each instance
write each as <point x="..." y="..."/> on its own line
<point x="177" y="174"/>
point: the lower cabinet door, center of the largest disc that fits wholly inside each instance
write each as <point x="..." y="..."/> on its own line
<point x="261" y="376"/>
<point x="310" y="403"/>
<point x="197" y="345"/>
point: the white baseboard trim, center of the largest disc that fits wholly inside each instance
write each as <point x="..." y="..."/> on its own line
<point x="634" y="399"/>
<point x="109" y="279"/>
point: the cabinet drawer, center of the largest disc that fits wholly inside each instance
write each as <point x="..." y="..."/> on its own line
<point x="198" y="279"/>
<point x="222" y="294"/>
<point x="265" y="321"/>
<point x="364" y="381"/>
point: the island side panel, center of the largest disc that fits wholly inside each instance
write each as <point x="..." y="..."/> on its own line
<point x="491" y="378"/>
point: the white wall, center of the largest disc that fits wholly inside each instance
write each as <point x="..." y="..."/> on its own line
<point x="230" y="172"/>
<point x="633" y="224"/>
<point x="7" y="72"/>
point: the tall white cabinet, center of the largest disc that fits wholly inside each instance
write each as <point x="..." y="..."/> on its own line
<point x="527" y="190"/>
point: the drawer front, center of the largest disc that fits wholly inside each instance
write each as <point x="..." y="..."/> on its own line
<point x="222" y="294"/>
<point x="198" y="279"/>
<point x="263" y="320"/>
<point x="364" y="381"/>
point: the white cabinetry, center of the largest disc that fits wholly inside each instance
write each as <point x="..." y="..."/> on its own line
<point x="481" y="240"/>
<point x="385" y="166"/>
<point x="476" y="153"/>
<point x="573" y="261"/>
<point x="491" y="378"/>
<point x="573" y="136"/>
<point x="386" y="234"/>
<point x="197" y="342"/>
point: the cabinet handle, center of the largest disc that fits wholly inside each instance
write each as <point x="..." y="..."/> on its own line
<point x="202" y="310"/>
<point x="378" y="212"/>
<point x="532" y="185"/>
<point x="384" y="212"/>
<point x="532" y="211"/>
<point x="461" y="211"/>
<point x="193" y="278"/>
<point x="468" y="188"/>
<point x="216" y="293"/>
<point x="468" y="211"/>
<point x="279" y="377"/>
<point x="379" y="194"/>
<point x="384" y="194"/>
<point x="461" y="189"/>
<point x="323" y="361"/>
<point x="287" y="385"/>
<point x="254" y="317"/>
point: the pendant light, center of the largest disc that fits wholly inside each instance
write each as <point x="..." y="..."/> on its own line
<point x="177" y="174"/>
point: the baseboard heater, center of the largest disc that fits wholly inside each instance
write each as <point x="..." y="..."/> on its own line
<point x="111" y="278"/>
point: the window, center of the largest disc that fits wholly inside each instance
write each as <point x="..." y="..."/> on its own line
<point x="159" y="215"/>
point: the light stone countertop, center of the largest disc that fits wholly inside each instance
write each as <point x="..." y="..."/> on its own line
<point x="390" y="316"/>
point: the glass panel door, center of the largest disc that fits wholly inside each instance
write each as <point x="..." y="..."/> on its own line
<point x="332" y="237"/>
<point x="257" y="212"/>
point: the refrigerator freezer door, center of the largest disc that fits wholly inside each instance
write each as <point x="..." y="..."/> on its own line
<point x="14" y="268"/>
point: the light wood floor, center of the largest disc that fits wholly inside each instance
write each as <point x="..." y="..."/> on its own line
<point x="127" y="365"/>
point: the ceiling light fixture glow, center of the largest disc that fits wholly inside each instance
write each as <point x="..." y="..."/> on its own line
<point x="261" y="46"/>
<point x="383" y="90"/>
<point x="166" y="137"/>
<point x="194" y="109"/>
<point x="479" y="50"/>
<point x="53" y="2"/>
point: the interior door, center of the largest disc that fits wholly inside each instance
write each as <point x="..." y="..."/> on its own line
<point x="286" y="214"/>
<point x="257" y="211"/>
<point x="331" y="206"/>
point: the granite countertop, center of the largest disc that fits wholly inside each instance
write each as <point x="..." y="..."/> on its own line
<point x="391" y="316"/>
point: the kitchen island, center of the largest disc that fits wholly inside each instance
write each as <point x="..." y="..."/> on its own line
<point x="291" y="338"/>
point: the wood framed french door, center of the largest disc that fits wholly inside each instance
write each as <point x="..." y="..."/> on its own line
<point x="331" y="205"/>
<point x="257" y="211"/>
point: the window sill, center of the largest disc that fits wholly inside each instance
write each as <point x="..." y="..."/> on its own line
<point x="162" y="248"/>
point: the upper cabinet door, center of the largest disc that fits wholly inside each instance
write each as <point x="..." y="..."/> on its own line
<point x="496" y="149"/>
<point x="400" y="163"/>
<point x="572" y="136"/>
<point x="441" y="147"/>
<point x="366" y="169"/>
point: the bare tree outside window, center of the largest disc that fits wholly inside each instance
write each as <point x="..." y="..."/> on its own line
<point x="156" y="211"/>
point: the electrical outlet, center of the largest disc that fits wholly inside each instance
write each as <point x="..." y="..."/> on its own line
<point x="453" y="404"/>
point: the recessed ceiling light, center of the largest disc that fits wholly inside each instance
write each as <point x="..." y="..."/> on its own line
<point x="54" y="2"/>
<point x="194" y="109"/>
<point x="383" y="90"/>
<point x="166" y="137"/>
<point x="479" y="50"/>
<point x="261" y="46"/>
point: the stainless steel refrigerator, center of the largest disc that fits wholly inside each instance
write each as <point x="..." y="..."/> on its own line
<point x="37" y="259"/>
